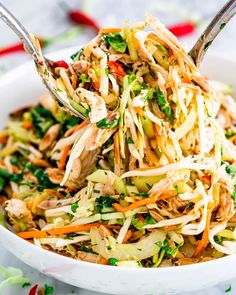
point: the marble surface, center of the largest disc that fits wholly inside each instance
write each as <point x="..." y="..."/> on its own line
<point x="48" y="18"/>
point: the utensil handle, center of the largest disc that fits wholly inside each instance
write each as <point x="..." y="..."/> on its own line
<point x="11" y="21"/>
<point x="216" y="25"/>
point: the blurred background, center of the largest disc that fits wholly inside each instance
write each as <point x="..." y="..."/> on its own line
<point x="52" y="21"/>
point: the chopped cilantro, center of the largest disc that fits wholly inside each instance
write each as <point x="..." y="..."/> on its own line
<point x="208" y="44"/>
<point x="76" y="55"/>
<point x="168" y="250"/>
<point x="116" y="42"/>
<point x="229" y="133"/>
<point x="48" y="290"/>
<point x="230" y="170"/>
<point x="82" y="247"/>
<point x="149" y="219"/>
<point x="104" y="124"/>
<point x="42" y="120"/>
<point x="25" y="285"/>
<point x="164" y="106"/>
<point x="42" y="177"/>
<point x="74" y="207"/>
<point x="130" y="141"/>
<point x="113" y="261"/>
<point x="229" y="289"/>
<point x="84" y="79"/>
<point x="222" y="26"/>
<point x="233" y="196"/>
<point x="104" y="202"/>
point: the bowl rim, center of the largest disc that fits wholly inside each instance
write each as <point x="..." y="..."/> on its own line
<point x="211" y="264"/>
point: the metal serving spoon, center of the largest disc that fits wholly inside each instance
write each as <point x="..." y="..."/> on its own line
<point x="24" y="36"/>
<point x="216" y="25"/>
<point x="197" y="52"/>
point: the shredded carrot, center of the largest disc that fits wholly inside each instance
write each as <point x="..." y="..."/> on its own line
<point x="140" y="217"/>
<point x="116" y="148"/>
<point x="15" y="169"/>
<point x="3" y="139"/>
<point x="169" y="227"/>
<point x="167" y="194"/>
<point x="151" y="157"/>
<point x="155" y="38"/>
<point x="134" y="205"/>
<point x="57" y="231"/>
<point x="139" y="110"/>
<point x="128" y="235"/>
<point x="202" y="244"/>
<point x="81" y="125"/>
<point x="27" y="124"/>
<point x="102" y="261"/>
<point x="75" y="128"/>
<point x="65" y="153"/>
<point x="145" y="201"/>
<point x="109" y="30"/>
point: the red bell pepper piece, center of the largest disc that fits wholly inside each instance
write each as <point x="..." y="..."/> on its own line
<point x="61" y="64"/>
<point x="116" y="68"/>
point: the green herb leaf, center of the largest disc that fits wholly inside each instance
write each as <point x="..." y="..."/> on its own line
<point x="164" y="106"/>
<point x="74" y="207"/>
<point x="222" y="26"/>
<point x="42" y="177"/>
<point x="168" y="250"/>
<point x="149" y="219"/>
<point x="229" y="133"/>
<point x="116" y="42"/>
<point x="48" y="290"/>
<point x="208" y="44"/>
<point x="82" y="247"/>
<point x="230" y="170"/>
<point x="233" y="196"/>
<point x="104" y="202"/>
<point x="76" y="55"/>
<point x="130" y="140"/>
<point x="42" y="120"/>
<point x="113" y="261"/>
<point x="84" y="79"/>
<point x="229" y="289"/>
<point x="104" y="124"/>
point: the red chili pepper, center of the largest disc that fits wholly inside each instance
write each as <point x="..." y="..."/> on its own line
<point x="116" y="68"/>
<point x="61" y="64"/>
<point x="182" y="29"/>
<point x="208" y="177"/>
<point x="33" y="290"/>
<point x="18" y="47"/>
<point x="81" y="18"/>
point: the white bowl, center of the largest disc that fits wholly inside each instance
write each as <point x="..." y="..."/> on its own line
<point x="21" y="87"/>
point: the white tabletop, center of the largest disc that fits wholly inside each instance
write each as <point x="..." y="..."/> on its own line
<point x="46" y="18"/>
